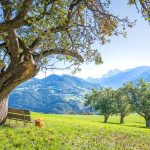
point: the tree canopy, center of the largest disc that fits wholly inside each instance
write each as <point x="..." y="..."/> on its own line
<point x="139" y="97"/>
<point x="102" y="101"/>
<point x="55" y="30"/>
<point x="123" y="107"/>
<point x="131" y="97"/>
<point x="107" y="101"/>
<point x="143" y="7"/>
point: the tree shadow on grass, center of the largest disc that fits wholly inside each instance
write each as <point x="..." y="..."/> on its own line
<point x="10" y="126"/>
<point x="128" y="125"/>
<point x="14" y="124"/>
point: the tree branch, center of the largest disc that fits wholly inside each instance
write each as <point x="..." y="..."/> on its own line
<point x="35" y="44"/>
<point x="3" y="45"/>
<point x="23" y="46"/>
<point x="59" y="51"/>
<point x="19" y="20"/>
<point x="13" y="46"/>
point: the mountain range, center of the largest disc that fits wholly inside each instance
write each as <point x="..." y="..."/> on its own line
<point x="115" y="80"/>
<point x="65" y="94"/>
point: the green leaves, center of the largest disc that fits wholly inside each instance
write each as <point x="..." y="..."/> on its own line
<point x="1" y="63"/>
<point x="139" y="95"/>
<point x="101" y="100"/>
<point x="143" y="7"/>
<point x="129" y="98"/>
<point x="73" y="26"/>
<point x="123" y="106"/>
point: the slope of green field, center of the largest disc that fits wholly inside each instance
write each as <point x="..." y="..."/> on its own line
<point x="76" y="132"/>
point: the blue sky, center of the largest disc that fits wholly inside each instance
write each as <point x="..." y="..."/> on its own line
<point x="121" y="53"/>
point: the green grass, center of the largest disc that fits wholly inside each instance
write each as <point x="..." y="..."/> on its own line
<point x="77" y="132"/>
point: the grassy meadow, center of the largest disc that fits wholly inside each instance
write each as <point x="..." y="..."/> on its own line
<point x="76" y="132"/>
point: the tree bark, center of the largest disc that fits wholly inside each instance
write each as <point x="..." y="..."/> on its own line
<point x="105" y="119"/>
<point x="147" y="119"/>
<point x="3" y="110"/>
<point x="14" y="76"/>
<point x="122" y="119"/>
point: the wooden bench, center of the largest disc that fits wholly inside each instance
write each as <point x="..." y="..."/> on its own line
<point x="19" y="115"/>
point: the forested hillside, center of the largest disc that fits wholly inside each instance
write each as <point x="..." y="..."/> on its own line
<point x="53" y="94"/>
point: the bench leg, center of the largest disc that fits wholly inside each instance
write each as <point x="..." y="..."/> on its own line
<point x="25" y="123"/>
<point x="3" y="122"/>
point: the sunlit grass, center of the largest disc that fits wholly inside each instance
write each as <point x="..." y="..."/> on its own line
<point x="77" y="132"/>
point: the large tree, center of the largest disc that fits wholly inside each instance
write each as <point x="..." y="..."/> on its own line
<point x="139" y="97"/>
<point x="102" y="101"/>
<point x="35" y="34"/>
<point x="123" y="107"/>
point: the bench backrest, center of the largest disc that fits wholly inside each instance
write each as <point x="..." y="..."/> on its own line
<point x="18" y="114"/>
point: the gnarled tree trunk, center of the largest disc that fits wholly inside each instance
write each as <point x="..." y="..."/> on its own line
<point x="3" y="110"/>
<point x="12" y="77"/>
